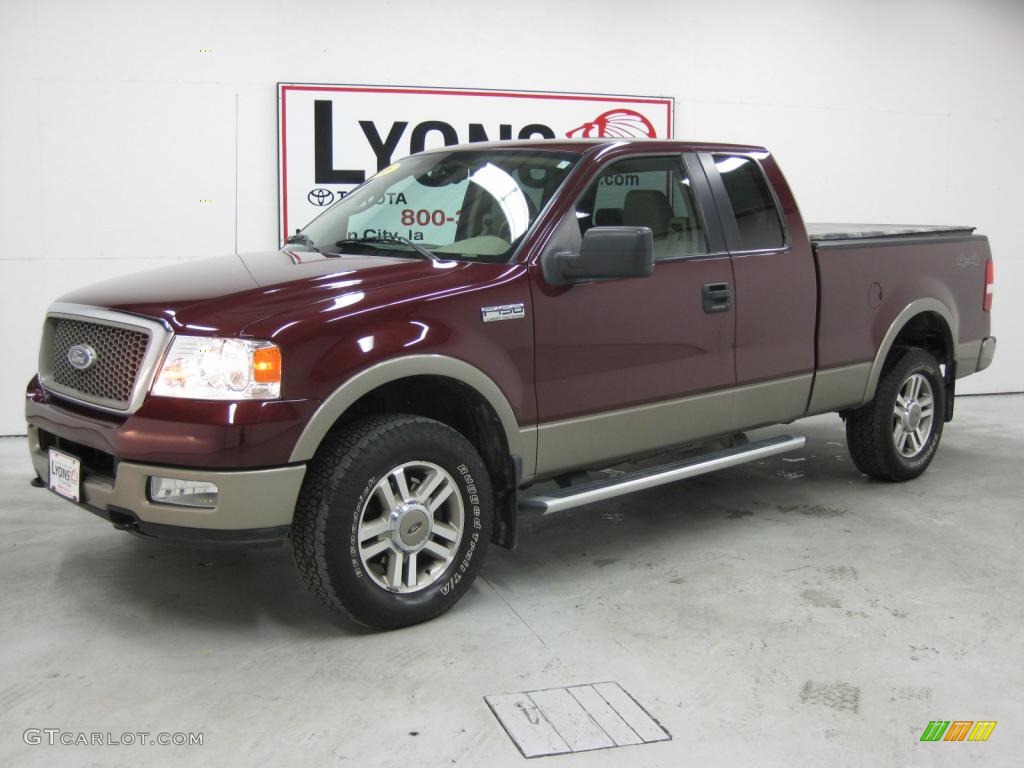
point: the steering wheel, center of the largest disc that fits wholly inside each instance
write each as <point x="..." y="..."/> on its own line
<point x="505" y="228"/>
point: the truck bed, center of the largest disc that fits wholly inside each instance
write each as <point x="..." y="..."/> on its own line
<point x="868" y="274"/>
<point x="819" y="233"/>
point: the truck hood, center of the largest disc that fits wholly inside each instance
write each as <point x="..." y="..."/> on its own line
<point x="224" y="294"/>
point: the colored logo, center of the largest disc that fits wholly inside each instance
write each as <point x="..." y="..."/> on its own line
<point x="320" y="197"/>
<point x="81" y="356"/>
<point x="615" y="124"/>
<point x="958" y="730"/>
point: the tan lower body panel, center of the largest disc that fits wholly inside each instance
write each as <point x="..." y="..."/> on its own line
<point x="604" y="437"/>
<point x="770" y="402"/>
<point x="837" y="388"/>
<point x="247" y="499"/>
<point x="600" y="439"/>
<point x="528" y="446"/>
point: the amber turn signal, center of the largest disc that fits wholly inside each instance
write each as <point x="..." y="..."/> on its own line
<point x="266" y="365"/>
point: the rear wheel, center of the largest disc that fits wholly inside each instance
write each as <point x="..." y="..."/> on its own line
<point x="393" y="520"/>
<point x="894" y="437"/>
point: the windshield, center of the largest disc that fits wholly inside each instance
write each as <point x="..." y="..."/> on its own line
<point x="473" y="205"/>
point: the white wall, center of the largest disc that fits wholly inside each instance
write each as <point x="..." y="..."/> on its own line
<point x="115" y="125"/>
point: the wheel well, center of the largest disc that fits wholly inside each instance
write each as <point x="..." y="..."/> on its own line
<point x="927" y="331"/>
<point x="451" y="402"/>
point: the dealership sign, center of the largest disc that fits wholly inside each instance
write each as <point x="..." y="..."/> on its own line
<point x="334" y="137"/>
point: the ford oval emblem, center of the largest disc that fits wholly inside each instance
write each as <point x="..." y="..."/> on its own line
<point x="81" y="356"/>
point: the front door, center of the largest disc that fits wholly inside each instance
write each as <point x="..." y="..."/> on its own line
<point x="632" y="365"/>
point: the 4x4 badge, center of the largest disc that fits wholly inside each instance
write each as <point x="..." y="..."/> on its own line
<point x="503" y="312"/>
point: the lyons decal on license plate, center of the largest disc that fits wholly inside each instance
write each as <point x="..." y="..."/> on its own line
<point x="65" y="475"/>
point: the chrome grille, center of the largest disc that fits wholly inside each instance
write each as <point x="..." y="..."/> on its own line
<point x="124" y="350"/>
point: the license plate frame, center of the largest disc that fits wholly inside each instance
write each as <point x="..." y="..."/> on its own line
<point x="65" y="475"/>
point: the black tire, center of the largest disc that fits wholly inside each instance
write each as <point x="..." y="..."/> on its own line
<point x="871" y="430"/>
<point x="343" y="487"/>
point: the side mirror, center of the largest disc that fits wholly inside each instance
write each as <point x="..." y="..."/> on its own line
<point x="607" y="253"/>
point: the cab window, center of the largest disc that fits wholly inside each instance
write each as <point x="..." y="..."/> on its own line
<point x="650" y="192"/>
<point x="757" y="219"/>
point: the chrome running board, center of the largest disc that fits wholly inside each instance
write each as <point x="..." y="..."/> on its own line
<point x="602" y="490"/>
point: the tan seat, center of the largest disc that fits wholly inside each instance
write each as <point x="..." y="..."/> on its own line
<point x="647" y="208"/>
<point x="650" y="208"/>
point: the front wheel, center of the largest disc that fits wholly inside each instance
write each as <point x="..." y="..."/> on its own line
<point x="393" y="520"/>
<point x="894" y="437"/>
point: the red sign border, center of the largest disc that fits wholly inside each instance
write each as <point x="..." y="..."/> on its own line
<point x="282" y="128"/>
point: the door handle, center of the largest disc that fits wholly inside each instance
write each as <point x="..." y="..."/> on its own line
<point x="717" y="297"/>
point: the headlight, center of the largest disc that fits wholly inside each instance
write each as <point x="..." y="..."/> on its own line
<point x="203" y="368"/>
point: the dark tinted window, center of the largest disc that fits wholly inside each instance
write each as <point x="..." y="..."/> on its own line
<point x="646" y="192"/>
<point x="756" y="217"/>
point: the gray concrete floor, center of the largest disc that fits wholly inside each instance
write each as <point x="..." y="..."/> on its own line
<point x="790" y="612"/>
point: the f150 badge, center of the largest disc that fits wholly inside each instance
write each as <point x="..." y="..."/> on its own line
<point x="503" y="312"/>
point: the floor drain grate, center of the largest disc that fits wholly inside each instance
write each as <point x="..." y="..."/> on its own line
<point x="557" y="721"/>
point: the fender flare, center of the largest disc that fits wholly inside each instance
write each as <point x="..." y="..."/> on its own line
<point x="912" y="310"/>
<point x="386" y="371"/>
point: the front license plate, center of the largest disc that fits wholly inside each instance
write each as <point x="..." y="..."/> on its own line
<point x="65" y="475"/>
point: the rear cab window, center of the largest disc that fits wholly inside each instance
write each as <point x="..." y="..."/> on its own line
<point x="757" y="217"/>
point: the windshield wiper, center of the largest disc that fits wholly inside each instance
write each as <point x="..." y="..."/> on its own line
<point x="426" y="253"/>
<point x="300" y="238"/>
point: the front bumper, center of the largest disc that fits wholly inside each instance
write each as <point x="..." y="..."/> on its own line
<point x="254" y="507"/>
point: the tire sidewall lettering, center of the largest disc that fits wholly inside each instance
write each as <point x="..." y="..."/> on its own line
<point x="472" y="494"/>
<point x="353" y="546"/>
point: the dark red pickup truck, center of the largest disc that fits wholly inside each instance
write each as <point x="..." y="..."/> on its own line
<point x="385" y="389"/>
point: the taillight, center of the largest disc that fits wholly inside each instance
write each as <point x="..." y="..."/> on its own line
<point x="990" y="279"/>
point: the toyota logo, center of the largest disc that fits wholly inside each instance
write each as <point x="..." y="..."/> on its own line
<point x="320" y="197"/>
<point x="81" y="356"/>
